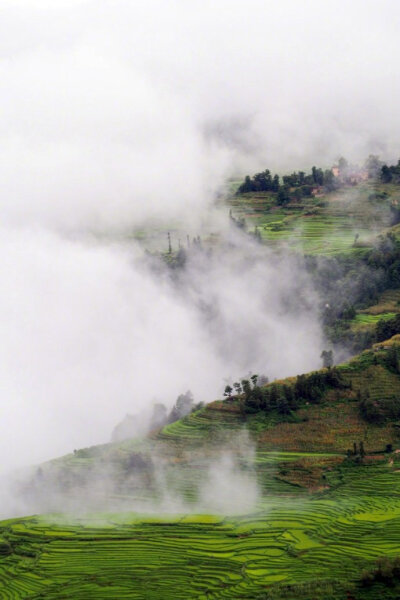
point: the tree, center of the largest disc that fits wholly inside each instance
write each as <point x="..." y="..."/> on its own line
<point x="273" y="397"/>
<point x="362" y="451"/>
<point x="184" y="403"/>
<point x="392" y="359"/>
<point x="386" y="174"/>
<point x="246" y="387"/>
<point x="283" y="406"/>
<point x="183" y="406"/>
<point x="301" y="388"/>
<point x="343" y="164"/>
<point x="283" y="196"/>
<point x="257" y="234"/>
<point x="238" y="388"/>
<point x="373" y="165"/>
<point x="290" y="399"/>
<point x="318" y="176"/>
<point x="330" y="181"/>
<point x="314" y="174"/>
<point x="263" y="181"/>
<point x="159" y="416"/>
<point x="327" y="358"/>
<point x="228" y="392"/>
<point x="275" y="184"/>
<point x="246" y="186"/>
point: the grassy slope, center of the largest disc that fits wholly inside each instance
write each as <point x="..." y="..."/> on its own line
<point x="331" y="426"/>
<point x="319" y="521"/>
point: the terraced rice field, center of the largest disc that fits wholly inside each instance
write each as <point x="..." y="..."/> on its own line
<point x="214" y="424"/>
<point x="386" y="308"/>
<point x="317" y="522"/>
<point x="320" y="233"/>
<point x="366" y="318"/>
<point x="327" y="538"/>
<point x="327" y="226"/>
<point x="366" y="321"/>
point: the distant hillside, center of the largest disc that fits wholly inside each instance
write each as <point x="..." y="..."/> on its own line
<point x="329" y="223"/>
<point x="325" y="419"/>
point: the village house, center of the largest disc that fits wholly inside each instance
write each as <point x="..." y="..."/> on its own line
<point x="351" y="175"/>
<point x="335" y="170"/>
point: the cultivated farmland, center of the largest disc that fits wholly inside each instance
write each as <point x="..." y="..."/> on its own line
<point x="320" y="517"/>
<point x="289" y="548"/>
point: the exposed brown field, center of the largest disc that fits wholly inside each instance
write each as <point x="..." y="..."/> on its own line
<point x="389" y="301"/>
<point x="328" y="429"/>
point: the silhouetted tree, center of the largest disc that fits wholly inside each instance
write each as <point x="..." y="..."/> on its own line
<point x="373" y="165"/>
<point x="238" y="388"/>
<point x="159" y="416"/>
<point x="228" y="392"/>
<point x="254" y="379"/>
<point x="362" y="451"/>
<point x="386" y="174"/>
<point x="327" y="358"/>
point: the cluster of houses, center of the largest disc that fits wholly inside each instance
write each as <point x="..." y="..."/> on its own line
<point x="350" y="174"/>
<point x="347" y="175"/>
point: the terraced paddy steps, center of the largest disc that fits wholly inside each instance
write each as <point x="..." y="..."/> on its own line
<point x="319" y="518"/>
<point x="342" y="222"/>
<point x="280" y="551"/>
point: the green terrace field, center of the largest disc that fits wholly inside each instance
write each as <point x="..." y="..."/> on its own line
<point x="363" y="320"/>
<point x="368" y="318"/>
<point x="387" y="307"/>
<point x="344" y="221"/>
<point x="320" y="517"/>
<point x="315" y="547"/>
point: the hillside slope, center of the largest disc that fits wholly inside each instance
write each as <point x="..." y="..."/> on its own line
<point x="344" y="221"/>
<point x="321" y="516"/>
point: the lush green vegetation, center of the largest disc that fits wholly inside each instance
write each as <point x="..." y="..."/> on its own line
<point x="313" y="548"/>
<point x="324" y="517"/>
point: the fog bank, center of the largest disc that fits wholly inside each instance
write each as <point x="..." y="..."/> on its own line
<point x="92" y="332"/>
<point x="115" y="111"/>
<point x="115" y="114"/>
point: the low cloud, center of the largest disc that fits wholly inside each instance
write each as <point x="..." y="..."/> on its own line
<point x="92" y="332"/>
<point x="117" y="115"/>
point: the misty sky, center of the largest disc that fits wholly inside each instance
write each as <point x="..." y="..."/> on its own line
<point x="115" y="112"/>
<point x="102" y="102"/>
